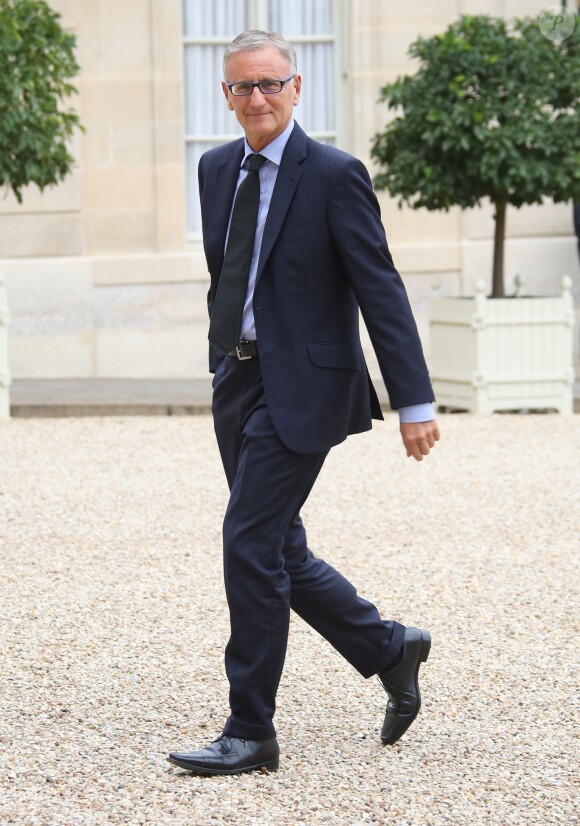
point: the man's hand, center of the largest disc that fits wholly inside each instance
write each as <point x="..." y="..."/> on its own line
<point x="419" y="438"/>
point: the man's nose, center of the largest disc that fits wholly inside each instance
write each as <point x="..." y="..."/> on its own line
<point x="260" y="93"/>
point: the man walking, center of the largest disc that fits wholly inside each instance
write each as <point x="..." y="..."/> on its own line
<point x="294" y="246"/>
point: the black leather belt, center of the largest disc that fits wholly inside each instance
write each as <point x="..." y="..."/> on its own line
<point x="245" y="350"/>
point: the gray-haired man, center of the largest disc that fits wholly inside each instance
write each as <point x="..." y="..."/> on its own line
<point x="294" y="246"/>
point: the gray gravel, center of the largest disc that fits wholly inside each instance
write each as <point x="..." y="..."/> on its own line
<point x="114" y="622"/>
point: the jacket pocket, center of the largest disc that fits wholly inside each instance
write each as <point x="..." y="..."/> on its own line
<point x="342" y="356"/>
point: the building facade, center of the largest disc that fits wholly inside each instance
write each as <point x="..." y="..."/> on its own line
<point x="105" y="273"/>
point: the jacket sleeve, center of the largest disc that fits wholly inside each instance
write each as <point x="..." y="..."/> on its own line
<point x="357" y="231"/>
<point x="212" y="357"/>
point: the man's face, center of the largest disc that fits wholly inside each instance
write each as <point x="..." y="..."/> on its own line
<point x="263" y="117"/>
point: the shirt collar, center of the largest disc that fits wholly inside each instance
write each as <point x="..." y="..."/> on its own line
<point x="273" y="151"/>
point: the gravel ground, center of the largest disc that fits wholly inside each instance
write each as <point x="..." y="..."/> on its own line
<point x="114" y="623"/>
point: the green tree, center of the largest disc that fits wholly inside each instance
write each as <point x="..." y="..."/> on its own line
<point x="36" y="63"/>
<point x="491" y="112"/>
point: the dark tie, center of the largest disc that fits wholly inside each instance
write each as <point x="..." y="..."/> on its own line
<point x="226" y="315"/>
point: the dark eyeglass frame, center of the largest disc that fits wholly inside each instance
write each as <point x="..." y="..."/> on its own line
<point x="258" y="84"/>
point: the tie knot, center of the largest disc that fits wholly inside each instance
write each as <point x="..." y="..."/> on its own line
<point x="255" y="162"/>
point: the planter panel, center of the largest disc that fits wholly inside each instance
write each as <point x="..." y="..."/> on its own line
<point x="503" y="354"/>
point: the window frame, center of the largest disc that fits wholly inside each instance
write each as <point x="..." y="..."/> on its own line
<point x="257" y="18"/>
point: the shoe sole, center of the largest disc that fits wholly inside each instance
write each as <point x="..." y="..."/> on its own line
<point x="423" y="656"/>
<point x="267" y="766"/>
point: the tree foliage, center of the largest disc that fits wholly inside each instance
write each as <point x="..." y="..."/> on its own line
<point x="36" y="64"/>
<point x="491" y="112"/>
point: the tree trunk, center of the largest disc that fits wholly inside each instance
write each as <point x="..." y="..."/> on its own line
<point x="497" y="289"/>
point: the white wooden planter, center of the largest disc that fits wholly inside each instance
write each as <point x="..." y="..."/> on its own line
<point x="4" y="371"/>
<point x="491" y="354"/>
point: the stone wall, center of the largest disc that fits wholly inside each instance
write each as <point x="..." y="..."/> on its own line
<point x="100" y="279"/>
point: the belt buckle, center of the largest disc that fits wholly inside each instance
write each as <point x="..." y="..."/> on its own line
<point x="239" y="352"/>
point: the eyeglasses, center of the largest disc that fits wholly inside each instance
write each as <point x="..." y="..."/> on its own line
<point x="266" y="87"/>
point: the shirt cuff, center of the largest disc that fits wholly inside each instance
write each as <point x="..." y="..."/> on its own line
<point x="416" y="413"/>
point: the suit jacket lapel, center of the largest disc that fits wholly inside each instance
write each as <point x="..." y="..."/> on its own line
<point x="286" y="182"/>
<point x="223" y="195"/>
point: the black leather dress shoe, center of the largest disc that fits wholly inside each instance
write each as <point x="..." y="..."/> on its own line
<point x="230" y="755"/>
<point x="402" y="685"/>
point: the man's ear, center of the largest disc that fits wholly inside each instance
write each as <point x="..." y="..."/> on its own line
<point x="226" y="92"/>
<point x="297" y="83"/>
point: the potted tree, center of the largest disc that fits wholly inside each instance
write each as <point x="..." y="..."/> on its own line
<point x="491" y="113"/>
<point x="36" y="64"/>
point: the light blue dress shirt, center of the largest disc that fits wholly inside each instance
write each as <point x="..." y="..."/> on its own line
<point x="268" y="174"/>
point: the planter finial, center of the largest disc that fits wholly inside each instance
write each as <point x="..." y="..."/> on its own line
<point x="480" y="286"/>
<point x="566" y="284"/>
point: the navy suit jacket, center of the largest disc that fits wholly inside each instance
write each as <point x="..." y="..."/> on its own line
<point x="324" y="254"/>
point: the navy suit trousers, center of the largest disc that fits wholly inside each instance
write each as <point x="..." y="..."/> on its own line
<point x="268" y="567"/>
